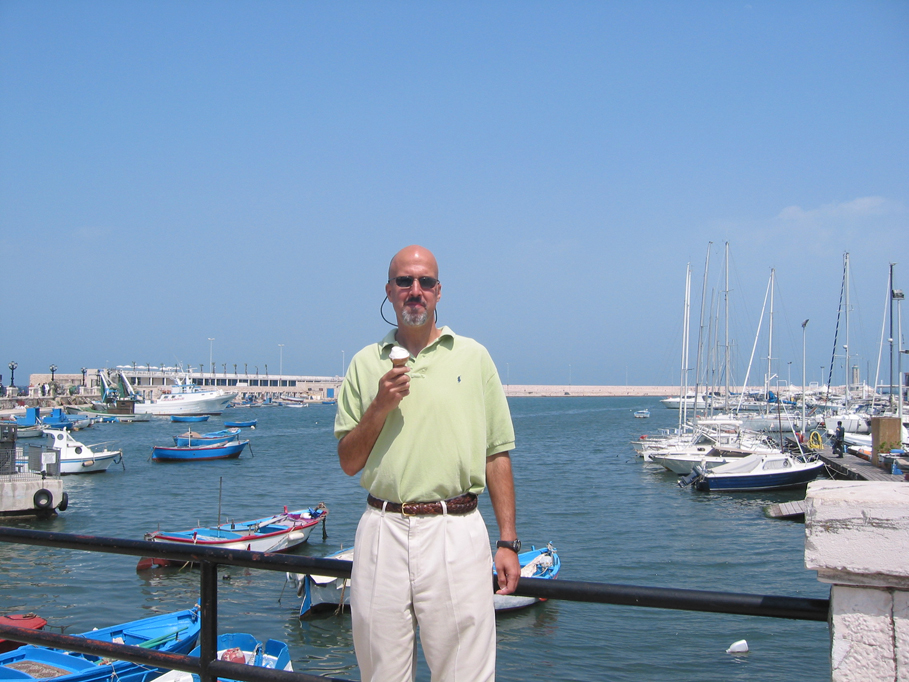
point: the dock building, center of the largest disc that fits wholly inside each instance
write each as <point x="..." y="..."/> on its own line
<point x="149" y="382"/>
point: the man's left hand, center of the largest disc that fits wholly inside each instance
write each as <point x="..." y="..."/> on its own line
<point x="508" y="570"/>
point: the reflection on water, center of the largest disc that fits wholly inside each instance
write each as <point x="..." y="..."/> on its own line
<point x="612" y="518"/>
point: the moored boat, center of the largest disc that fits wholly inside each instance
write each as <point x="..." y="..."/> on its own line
<point x="30" y="621"/>
<point x="320" y="592"/>
<point x="249" y="424"/>
<point x="239" y="647"/>
<point x="170" y="633"/>
<point x="189" y="418"/>
<point x="191" y="437"/>
<point x="757" y="472"/>
<point x="76" y="458"/>
<point x="196" y="453"/>
<point x="186" y="398"/>
<point x="269" y="534"/>
<point x="641" y="414"/>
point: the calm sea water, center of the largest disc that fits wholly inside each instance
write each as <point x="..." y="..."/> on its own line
<point x="612" y="518"/>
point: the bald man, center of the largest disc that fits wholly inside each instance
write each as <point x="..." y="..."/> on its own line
<point x="426" y="438"/>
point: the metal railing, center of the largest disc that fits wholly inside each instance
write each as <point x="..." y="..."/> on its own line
<point x="209" y="668"/>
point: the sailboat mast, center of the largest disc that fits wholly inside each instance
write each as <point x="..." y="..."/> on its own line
<point x="890" y="289"/>
<point x="770" y="333"/>
<point x="697" y="370"/>
<point x="846" y="347"/>
<point x="726" y="323"/>
<point x="683" y="387"/>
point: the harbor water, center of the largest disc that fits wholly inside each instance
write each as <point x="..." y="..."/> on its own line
<point x="579" y="485"/>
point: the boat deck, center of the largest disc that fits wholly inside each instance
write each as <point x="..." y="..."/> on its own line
<point x="855" y="468"/>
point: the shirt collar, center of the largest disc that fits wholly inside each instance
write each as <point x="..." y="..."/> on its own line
<point x="389" y="339"/>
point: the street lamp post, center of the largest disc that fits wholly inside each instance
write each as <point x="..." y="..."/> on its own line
<point x="84" y="370"/>
<point x="898" y="296"/>
<point x="53" y="370"/>
<point x="12" y="373"/>
<point x="211" y="342"/>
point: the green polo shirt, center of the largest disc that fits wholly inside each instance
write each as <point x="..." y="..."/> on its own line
<point x="434" y="445"/>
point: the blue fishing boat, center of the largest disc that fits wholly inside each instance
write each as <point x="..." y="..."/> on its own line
<point x="537" y="563"/>
<point x="239" y="647"/>
<point x="193" y="453"/>
<point x="251" y="424"/>
<point x="210" y="438"/>
<point x="756" y="472"/>
<point x="189" y="418"/>
<point x="320" y="592"/>
<point x="170" y="633"/>
<point x="276" y="533"/>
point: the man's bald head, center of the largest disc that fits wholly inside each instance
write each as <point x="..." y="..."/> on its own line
<point x="413" y="255"/>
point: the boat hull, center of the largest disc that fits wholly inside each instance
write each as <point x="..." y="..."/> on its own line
<point x="230" y="450"/>
<point x="269" y="534"/>
<point x="187" y="404"/>
<point x="763" y="481"/>
<point x="91" y="465"/>
<point x="251" y="424"/>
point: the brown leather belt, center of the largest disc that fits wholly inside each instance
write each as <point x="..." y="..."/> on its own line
<point x="456" y="505"/>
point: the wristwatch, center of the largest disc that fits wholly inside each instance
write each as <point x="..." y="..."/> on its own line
<point x="513" y="545"/>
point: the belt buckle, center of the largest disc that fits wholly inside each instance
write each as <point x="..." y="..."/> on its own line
<point x="404" y="509"/>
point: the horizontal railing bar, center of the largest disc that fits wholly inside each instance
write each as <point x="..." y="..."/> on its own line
<point x="173" y="551"/>
<point x="797" y="608"/>
<point x="155" y="659"/>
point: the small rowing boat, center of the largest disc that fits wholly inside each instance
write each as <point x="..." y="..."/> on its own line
<point x="276" y="533"/>
<point x="238" y="647"/>
<point x="210" y="438"/>
<point x="196" y="453"/>
<point x="250" y="424"/>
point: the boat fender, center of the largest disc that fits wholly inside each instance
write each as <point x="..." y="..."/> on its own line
<point x="43" y="499"/>
<point x="64" y="502"/>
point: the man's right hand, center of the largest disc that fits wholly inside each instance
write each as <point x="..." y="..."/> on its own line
<point x="354" y="448"/>
<point x="393" y="387"/>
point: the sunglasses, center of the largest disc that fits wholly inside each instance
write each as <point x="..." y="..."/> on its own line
<point x="406" y="281"/>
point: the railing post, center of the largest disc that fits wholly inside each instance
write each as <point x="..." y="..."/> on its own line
<point x="208" y="636"/>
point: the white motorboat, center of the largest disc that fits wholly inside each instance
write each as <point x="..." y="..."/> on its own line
<point x="76" y="458"/>
<point x="757" y="472"/>
<point x="689" y="402"/>
<point x="184" y="398"/>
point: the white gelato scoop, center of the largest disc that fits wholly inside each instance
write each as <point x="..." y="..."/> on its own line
<point x="398" y="356"/>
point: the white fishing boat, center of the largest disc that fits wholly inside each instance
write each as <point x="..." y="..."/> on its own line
<point x="76" y="458"/>
<point x="185" y="398"/>
<point x="641" y="414"/>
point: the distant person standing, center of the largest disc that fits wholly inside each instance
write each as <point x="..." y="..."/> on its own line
<point x="839" y="437"/>
<point x="429" y="432"/>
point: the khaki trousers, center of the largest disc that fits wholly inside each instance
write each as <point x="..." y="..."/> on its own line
<point x="434" y="572"/>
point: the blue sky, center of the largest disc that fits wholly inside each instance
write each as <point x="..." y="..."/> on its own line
<point x="172" y="172"/>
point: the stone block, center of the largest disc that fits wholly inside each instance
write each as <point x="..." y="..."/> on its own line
<point x="857" y="532"/>
<point x="861" y="626"/>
